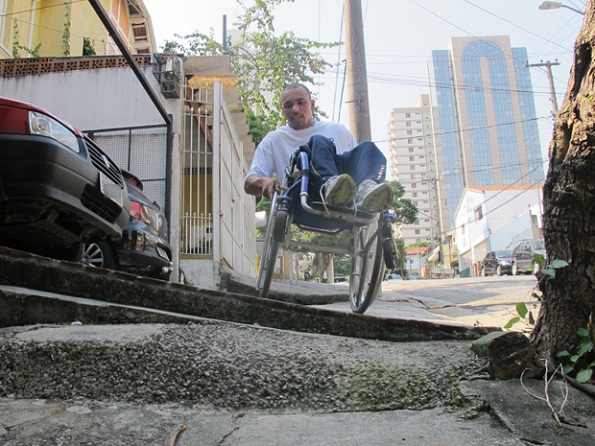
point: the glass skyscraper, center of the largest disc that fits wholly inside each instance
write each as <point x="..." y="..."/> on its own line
<point x="487" y="121"/>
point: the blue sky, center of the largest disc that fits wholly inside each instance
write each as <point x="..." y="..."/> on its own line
<point x="399" y="37"/>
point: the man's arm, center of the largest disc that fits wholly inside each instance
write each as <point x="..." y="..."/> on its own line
<point x="261" y="186"/>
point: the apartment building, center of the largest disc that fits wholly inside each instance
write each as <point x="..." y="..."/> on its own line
<point x="413" y="162"/>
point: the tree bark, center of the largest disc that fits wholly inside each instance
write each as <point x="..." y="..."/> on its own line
<point x="569" y="206"/>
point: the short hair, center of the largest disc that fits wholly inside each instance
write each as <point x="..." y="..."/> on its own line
<point x="297" y="85"/>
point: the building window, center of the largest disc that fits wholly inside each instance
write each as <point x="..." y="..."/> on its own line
<point x="478" y="213"/>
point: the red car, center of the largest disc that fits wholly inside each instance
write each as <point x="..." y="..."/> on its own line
<point x="58" y="189"/>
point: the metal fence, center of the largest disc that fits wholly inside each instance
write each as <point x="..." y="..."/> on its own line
<point x="144" y="152"/>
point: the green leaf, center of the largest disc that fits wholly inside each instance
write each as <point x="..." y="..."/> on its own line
<point x="583" y="332"/>
<point x="584" y="375"/>
<point x="539" y="259"/>
<point x="568" y="368"/>
<point x="557" y="264"/>
<point x="562" y="354"/>
<point x="521" y="309"/>
<point x="550" y="273"/>
<point x="574" y="358"/>
<point x="531" y="318"/>
<point x="511" y="322"/>
<point x="585" y="347"/>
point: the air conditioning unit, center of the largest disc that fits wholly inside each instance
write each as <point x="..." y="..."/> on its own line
<point x="168" y="71"/>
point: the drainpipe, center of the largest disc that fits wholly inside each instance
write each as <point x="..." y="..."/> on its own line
<point x="32" y="22"/>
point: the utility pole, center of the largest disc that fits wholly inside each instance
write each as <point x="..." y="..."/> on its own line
<point x="357" y="78"/>
<point x="550" y="79"/>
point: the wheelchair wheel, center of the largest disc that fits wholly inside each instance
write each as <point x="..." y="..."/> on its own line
<point x="274" y="236"/>
<point x="367" y="267"/>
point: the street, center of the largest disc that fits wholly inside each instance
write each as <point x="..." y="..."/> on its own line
<point x="478" y="301"/>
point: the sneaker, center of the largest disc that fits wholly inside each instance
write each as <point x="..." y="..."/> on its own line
<point x="338" y="190"/>
<point x="374" y="197"/>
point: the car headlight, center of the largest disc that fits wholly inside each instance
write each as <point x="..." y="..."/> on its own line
<point x="43" y="125"/>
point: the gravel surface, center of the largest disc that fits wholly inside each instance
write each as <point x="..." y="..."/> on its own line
<point x="228" y="366"/>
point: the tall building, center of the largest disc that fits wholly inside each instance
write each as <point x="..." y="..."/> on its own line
<point x="412" y="162"/>
<point x="488" y="124"/>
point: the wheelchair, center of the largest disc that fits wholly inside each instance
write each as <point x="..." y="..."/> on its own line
<point x="371" y="247"/>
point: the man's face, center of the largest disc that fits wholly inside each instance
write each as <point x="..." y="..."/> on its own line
<point x="297" y="108"/>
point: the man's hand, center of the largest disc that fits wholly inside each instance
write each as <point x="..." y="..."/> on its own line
<point x="269" y="186"/>
<point x="262" y="186"/>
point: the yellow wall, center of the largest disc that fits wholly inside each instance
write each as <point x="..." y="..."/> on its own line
<point x="194" y="186"/>
<point x="50" y="24"/>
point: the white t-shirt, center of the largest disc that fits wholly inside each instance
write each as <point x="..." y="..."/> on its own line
<point x="273" y="153"/>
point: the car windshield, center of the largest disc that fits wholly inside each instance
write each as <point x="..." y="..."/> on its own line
<point x="538" y="244"/>
<point x="503" y="254"/>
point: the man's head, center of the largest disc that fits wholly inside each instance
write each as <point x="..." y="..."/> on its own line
<point x="297" y="106"/>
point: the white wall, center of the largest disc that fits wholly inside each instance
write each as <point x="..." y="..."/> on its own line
<point x="91" y="99"/>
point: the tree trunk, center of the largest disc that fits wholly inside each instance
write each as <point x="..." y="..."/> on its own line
<point x="569" y="206"/>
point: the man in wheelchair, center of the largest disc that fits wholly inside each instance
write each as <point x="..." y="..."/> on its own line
<point x="339" y="186"/>
<point x="342" y="172"/>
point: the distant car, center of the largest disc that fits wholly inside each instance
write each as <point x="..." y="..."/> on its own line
<point x="415" y="277"/>
<point x="393" y="277"/>
<point x="57" y="187"/>
<point x="496" y="262"/>
<point x="144" y="248"/>
<point x="523" y="256"/>
<point x="341" y="279"/>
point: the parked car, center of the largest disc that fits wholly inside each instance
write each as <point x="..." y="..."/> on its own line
<point x="523" y="256"/>
<point x="393" y="277"/>
<point x="496" y="262"/>
<point x="57" y="187"/>
<point x="144" y="248"/>
<point x="415" y="277"/>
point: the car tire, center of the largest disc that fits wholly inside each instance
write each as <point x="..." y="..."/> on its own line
<point x="100" y="255"/>
<point x="515" y="269"/>
<point x="499" y="270"/>
<point x="483" y="272"/>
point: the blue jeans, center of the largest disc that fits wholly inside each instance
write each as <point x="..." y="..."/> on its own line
<point x="364" y="161"/>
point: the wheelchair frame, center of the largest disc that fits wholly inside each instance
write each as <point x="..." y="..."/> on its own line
<point x="368" y="235"/>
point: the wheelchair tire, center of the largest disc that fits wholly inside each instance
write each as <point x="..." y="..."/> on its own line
<point x="274" y="236"/>
<point x="367" y="267"/>
<point x="389" y="251"/>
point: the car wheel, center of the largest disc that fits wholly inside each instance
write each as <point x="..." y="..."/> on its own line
<point x="499" y="270"/>
<point x="515" y="269"/>
<point x="483" y="272"/>
<point x="536" y="268"/>
<point x="100" y="255"/>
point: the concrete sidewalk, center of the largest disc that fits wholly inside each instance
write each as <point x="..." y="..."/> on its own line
<point x="214" y="367"/>
<point x="512" y="417"/>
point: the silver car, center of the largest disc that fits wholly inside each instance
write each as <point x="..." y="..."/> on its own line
<point x="523" y="256"/>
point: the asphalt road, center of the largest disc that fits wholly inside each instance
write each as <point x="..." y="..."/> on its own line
<point x="478" y="301"/>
